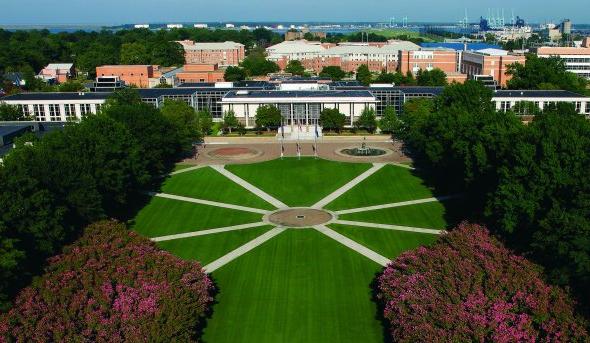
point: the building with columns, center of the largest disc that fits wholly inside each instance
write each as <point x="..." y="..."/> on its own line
<point x="298" y="107"/>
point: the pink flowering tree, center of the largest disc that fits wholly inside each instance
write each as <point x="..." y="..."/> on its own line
<point x="467" y="287"/>
<point x="111" y="285"/>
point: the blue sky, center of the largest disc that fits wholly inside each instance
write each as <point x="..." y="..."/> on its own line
<point x="135" y="11"/>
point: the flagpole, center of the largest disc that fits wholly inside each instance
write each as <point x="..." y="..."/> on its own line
<point x="315" y="135"/>
<point x="282" y="138"/>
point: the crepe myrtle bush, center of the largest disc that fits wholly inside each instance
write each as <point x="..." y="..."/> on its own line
<point x="111" y="285"/>
<point x="467" y="287"/>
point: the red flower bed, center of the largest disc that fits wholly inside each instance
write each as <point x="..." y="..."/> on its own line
<point x="468" y="287"/>
<point x="111" y="285"/>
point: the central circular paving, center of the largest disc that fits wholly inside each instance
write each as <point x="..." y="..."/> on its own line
<point x="300" y="217"/>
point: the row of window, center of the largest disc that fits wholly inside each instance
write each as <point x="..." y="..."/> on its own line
<point x="39" y="111"/>
<point x="507" y="105"/>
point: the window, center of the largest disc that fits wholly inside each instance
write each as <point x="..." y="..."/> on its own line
<point x="578" y="106"/>
<point x="70" y="111"/>
<point x="98" y="107"/>
<point x="85" y="109"/>
<point x="54" y="113"/>
<point x="505" y="106"/>
<point x="39" y="111"/>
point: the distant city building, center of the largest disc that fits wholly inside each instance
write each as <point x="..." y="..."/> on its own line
<point x="174" y="26"/>
<point x="229" y="26"/>
<point x="222" y="54"/>
<point x="141" y="26"/>
<point x="201" y="26"/>
<point x="200" y="73"/>
<point x="349" y="56"/>
<point x="132" y="75"/>
<point x="57" y="72"/>
<point x="566" y="27"/>
<point x="577" y="60"/>
<point x="490" y="62"/>
<point x="295" y="35"/>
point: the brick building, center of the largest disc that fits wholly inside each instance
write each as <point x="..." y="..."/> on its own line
<point x="197" y="73"/>
<point x="223" y="54"/>
<point x="135" y="75"/>
<point x="577" y="60"/>
<point x="490" y="62"/>
<point x="57" y="72"/>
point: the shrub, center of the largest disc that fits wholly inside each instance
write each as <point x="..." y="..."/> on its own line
<point x="111" y="285"/>
<point x="469" y="287"/>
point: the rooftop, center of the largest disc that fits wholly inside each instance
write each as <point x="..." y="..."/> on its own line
<point x="57" y="96"/>
<point x="300" y="94"/>
<point x="537" y="94"/>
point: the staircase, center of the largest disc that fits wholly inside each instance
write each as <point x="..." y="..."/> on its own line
<point x="303" y="133"/>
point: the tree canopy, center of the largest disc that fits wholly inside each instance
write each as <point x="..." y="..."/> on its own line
<point x="367" y="120"/>
<point x="256" y="64"/>
<point x="295" y="67"/>
<point x="431" y="78"/>
<point x="233" y="74"/>
<point x="333" y="72"/>
<point x="268" y="116"/>
<point x="467" y="287"/>
<point x="332" y="119"/>
<point x="545" y="73"/>
<point x="363" y="75"/>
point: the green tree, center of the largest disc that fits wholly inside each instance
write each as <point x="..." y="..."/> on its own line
<point x="134" y="53"/>
<point x="268" y="116"/>
<point x="256" y="64"/>
<point x="233" y="74"/>
<point x="332" y="119"/>
<point x="389" y="121"/>
<point x="185" y="120"/>
<point x="205" y="122"/>
<point x="363" y="75"/>
<point x="544" y="73"/>
<point x="156" y="135"/>
<point x="385" y="77"/>
<point x="295" y="67"/>
<point x="431" y="78"/>
<point x="230" y="121"/>
<point x="71" y="86"/>
<point x="367" y="120"/>
<point x="11" y="113"/>
<point x="333" y="72"/>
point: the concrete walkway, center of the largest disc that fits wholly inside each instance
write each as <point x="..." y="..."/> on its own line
<point x="208" y="202"/>
<point x="208" y="232"/>
<point x="361" y="249"/>
<point x="186" y="170"/>
<point x="220" y="262"/>
<point x="396" y="204"/>
<point x="389" y="227"/>
<point x="260" y="193"/>
<point x="402" y="165"/>
<point x="325" y="201"/>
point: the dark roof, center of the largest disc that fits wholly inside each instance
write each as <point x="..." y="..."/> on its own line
<point x="420" y="90"/>
<point x="356" y="84"/>
<point x="459" y="46"/>
<point x="158" y="92"/>
<point x="58" y="96"/>
<point x="537" y="94"/>
<point x="299" y="94"/>
<point x="7" y="130"/>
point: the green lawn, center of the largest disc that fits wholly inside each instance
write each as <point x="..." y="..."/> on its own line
<point x="388" y="185"/>
<point x="181" y="166"/>
<point x="207" y="249"/>
<point x="166" y="217"/>
<point x="298" y="287"/>
<point x="299" y="182"/>
<point x="429" y="215"/>
<point x="208" y="184"/>
<point x="388" y="243"/>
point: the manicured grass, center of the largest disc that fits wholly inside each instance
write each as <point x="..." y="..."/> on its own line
<point x="388" y="185"/>
<point x="299" y="182"/>
<point x="298" y="287"/>
<point x="429" y="215"/>
<point x="207" y="249"/>
<point x="181" y="166"/>
<point x="208" y="184"/>
<point x="166" y="217"/>
<point x="388" y="243"/>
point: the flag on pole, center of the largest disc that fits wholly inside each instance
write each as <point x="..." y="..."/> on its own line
<point x="317" y="134"/>
<point x="282" y="150"/>
<point x="298" y="150"/>
<point x="282" y="130"/>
